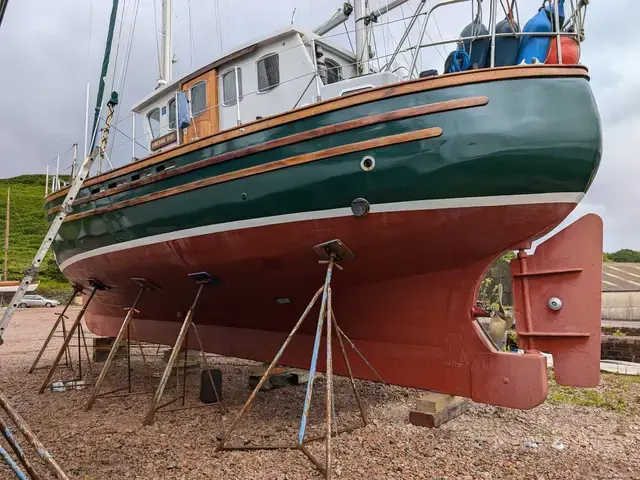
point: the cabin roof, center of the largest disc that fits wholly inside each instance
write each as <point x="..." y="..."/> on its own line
<point x="230" y="55"/>
<point x="620" y="277"/>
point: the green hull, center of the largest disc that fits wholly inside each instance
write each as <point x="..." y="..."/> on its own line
<point x="534" y="136"/>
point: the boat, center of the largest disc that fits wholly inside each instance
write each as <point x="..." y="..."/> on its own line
<point x="12" y="287"/>
<point x="290" y="141"/>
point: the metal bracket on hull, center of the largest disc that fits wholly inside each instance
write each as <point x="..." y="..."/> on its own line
<point x="202" y="279"/>
<point x="125" y="329"/>
<point x="330" y="253"/>
<point x="76" y="325"/>
<point x="335" y="249"/>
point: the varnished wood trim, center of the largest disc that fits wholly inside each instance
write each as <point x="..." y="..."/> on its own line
<point x="267" y="167"/>
<point x="431" y="108"/>
<point x="386" y="91"/>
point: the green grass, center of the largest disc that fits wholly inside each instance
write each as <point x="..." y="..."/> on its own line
<point x="28" y="226"/>
<point x="616" y="392"/>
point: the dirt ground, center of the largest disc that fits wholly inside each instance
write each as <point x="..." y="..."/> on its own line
<point x="577" y="434"/>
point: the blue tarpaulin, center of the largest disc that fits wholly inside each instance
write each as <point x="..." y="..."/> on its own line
<point x="184" y="116"/>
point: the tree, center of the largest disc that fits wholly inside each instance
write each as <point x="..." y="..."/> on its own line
<point x="625" y="255"/>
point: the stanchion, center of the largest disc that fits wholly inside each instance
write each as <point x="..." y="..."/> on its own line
<point x="144" y="286"/>
<point x="96" y="285"/>
<point x="202" y="279"/>
<point x="61" y="318"/>
<point x="331" y="253"/>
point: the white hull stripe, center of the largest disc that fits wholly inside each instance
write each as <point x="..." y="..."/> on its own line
<point x="493" y="201"/>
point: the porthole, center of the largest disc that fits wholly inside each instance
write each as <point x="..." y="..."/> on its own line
<point x="368" y="163"/>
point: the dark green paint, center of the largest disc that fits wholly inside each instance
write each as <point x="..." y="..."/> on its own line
<point x="535" y="136"/>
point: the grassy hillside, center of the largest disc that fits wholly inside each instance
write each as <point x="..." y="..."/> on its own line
<point x="28" y="227"/>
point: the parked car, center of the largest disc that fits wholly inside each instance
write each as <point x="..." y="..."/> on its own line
<point x="37" y="301"/>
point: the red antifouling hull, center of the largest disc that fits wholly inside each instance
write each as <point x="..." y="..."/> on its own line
<point x="405" y="299"/>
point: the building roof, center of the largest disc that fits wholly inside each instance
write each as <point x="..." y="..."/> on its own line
<point x="620" y="277"/>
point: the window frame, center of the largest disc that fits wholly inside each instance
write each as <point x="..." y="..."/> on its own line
<point x="201" y="112"/>
<point x="155" y="133"/>
<point x="261" y="59"/>
<point x="171" y="107"/>
<point x="236" y="96"/>
<point x="332" y="65"/>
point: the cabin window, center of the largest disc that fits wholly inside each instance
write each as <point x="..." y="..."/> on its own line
<point x="198" y="99"/>
<point x="117" y="183"/>
<point x="154" y="122"/>
<point x="334" y="71"/>
<point x="139" y="175"/>
<point x="229" y="86"/>
<point x="172" y="113"/>
<point x="268" y="72"/>
<point x="166" y="166"/>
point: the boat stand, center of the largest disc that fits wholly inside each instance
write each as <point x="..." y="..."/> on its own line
<point x="202" y="279"/>
<point x="60" y="321"/>
<point x="331" y="253"/>
<point x="19" y="452"/>
<point x="77" y="325"/>
<point x="144" y="285"/>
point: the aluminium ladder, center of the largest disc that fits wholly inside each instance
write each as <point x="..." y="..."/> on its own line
<point x="65" y="209"/>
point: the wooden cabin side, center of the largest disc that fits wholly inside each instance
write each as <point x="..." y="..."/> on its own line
<point x="202" y="93"/>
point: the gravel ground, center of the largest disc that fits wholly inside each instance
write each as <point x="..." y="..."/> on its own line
<point x="558" y="440"/>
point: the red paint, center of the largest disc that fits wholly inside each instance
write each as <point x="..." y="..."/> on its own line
<point x="567" y="266"/>
<point x="405" y="299"/>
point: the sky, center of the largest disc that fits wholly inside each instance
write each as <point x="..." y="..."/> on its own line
<point x="50" y="50"/>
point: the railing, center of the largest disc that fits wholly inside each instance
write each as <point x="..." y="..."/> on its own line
<point x="55" y="181"/>
<point x="575" y="19"/>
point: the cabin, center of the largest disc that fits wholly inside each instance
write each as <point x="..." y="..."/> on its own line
<point x="264" y="77"/>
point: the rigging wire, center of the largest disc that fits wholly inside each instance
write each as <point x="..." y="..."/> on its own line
<point x="86" y="113"/>
<point x="405" y="27"/>
<point x="125" y="66"/>
<point x="192" y="50"/>
<point x="157" y="31"/>
<point x="216" y="12"/>
<point x="353" y="50"/>
<point x="115" y="62"/>
<point x="437" y="47"/>
<point x="372" y="35"/>
<point x="435" y="19"/>
<point x="384" y="36"/>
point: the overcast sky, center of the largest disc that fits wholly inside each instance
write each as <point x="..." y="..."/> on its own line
<point x="49" y="50"/>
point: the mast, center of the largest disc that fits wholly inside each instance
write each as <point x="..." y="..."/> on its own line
<point x="103" y="73"/>
<point x="362" y="36"/>
<point x="6" y="235"/>
<point x="167" y="54"/>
